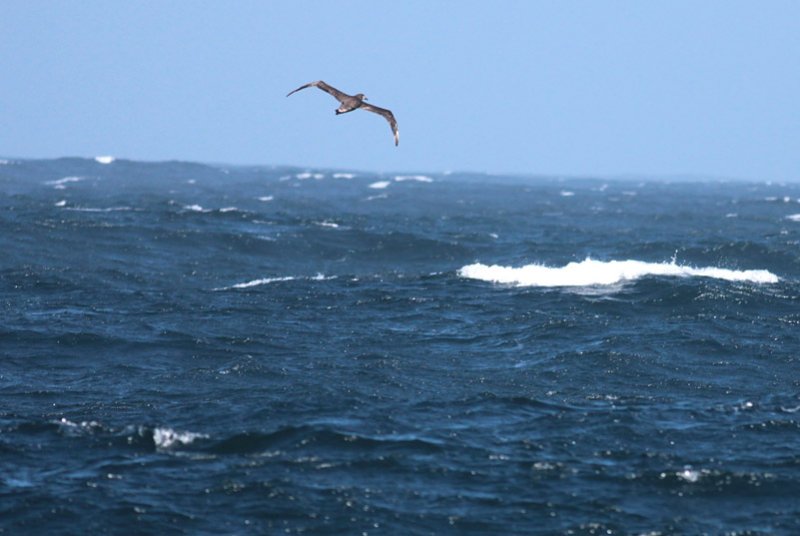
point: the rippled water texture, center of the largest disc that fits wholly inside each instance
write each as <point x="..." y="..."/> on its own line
<point x="200" y="349"/>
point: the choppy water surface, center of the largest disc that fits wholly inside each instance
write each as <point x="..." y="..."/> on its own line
<point x="201" y="349"/>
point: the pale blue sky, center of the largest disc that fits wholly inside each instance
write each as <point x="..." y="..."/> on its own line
<point x="710" y="88"/>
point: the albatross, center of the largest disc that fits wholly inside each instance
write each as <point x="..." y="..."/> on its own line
<point x="354" y="102"/>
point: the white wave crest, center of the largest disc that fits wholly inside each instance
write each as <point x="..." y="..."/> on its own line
<point x="104" y="159"/>
<point x="60" y="184"/>
<point x="266" y="198"/>
<point x="307" y="175"/>
<point x="379" y="185"/>
<point x="92" y="209"/>
<point x="269" y="280"/>
<point x="165" y="438"/>
<point x="417" y="178"/>
<point x="793" y="217"/>
<point x="195" y="208"/>
<point x="263" y="281"/>
<point x="71" y="428"/>
<point x="344" y="175"/>
<point x="597" y="273"/>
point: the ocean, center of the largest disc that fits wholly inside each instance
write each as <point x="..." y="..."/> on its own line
<point x="207" y="349"/>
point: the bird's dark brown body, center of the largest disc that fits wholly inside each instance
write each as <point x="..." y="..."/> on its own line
<point x="348" y="103"/>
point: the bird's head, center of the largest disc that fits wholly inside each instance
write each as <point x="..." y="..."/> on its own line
<point x="361" y="96"/>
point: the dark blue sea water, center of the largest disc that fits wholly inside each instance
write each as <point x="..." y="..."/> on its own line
<point x="202" y="349"/>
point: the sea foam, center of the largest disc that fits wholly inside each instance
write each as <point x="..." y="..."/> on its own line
<point x="591" y="272"/>
<point x="269" y="280"/>
<point x="165" y="438"/>
<point x="417" y="178"/>
<point x="308" y="175"/>
<point x="60" y="184"/>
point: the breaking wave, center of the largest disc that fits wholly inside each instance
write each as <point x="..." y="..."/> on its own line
<point x="269" y="280"/>
<point x="591" y="272"/>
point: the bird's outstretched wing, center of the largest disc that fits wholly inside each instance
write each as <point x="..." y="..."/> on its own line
<point x="388" y="115"/>
<point x="324" y="87"/>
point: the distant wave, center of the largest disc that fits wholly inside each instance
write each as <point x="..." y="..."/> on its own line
<point x="195" y="208"/>
<point x="307" y="175"/>
<point x="417" y="178"/>
<point x="793" y="217"/>
<point x="60" y="184"/>
<point x="595" y="273"/>
<point x="104" y="159"/>
<point x="200" y="208"/>
<point x="379" y="185"/>
<point x="92" y="209"/>
<point x="165" y="438"/>
<point x="268" y="280"/>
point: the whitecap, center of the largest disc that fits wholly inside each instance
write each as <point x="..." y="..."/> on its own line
<point x="417" y="178"/>
<point x="602" y="273"/>
<point x="195" y="208"/>
<point x="330" y="224"/>
<point x="266" y="198"/>
<point x="71" y="428"/>
<point x="61" y="203"/>
<point x="60" y="184"/>
<point x="92" y="209"/>
<point x="793" y="217"/>
<point x="344" y="175"/>
<point x="257" y="282"/>
<point x="379" y="185"/>
<point x="228" y="209"/>
<point x="690" y="475"/>
<point x="269" y="280"/>
<point x="104" y="159"/>
<point x="165" y="438"/>
<point x="307" y="175"/>
<point x="567" y="193"/>
<point x="379" y="196"/>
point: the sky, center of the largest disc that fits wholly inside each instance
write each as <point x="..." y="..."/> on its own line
<point x="567" y="88"/>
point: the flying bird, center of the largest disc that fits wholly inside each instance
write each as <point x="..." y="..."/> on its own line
<point x="354" y="102"/>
